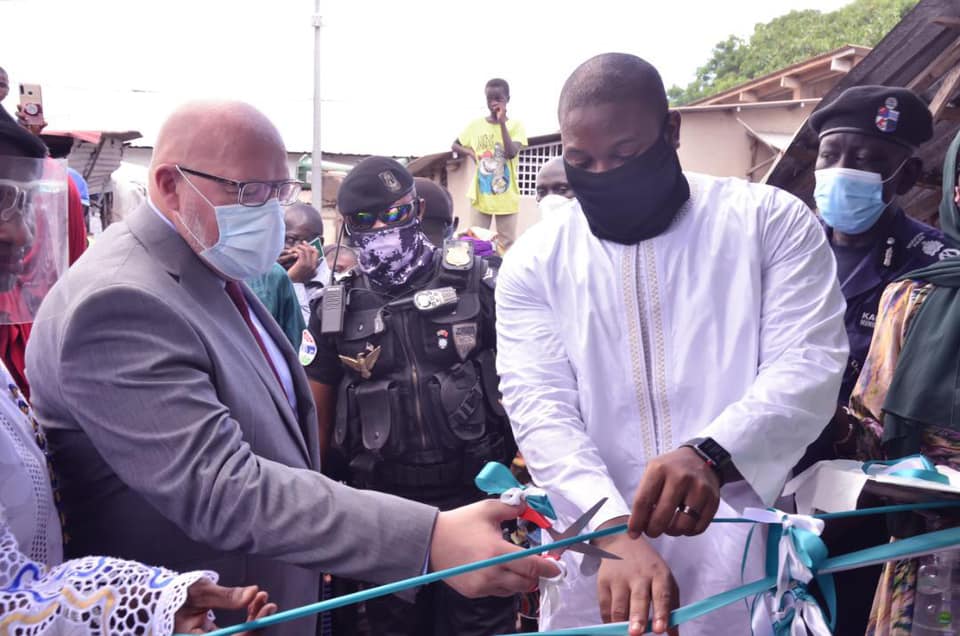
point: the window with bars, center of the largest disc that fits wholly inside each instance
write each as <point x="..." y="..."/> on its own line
<point x="530" y="161"/>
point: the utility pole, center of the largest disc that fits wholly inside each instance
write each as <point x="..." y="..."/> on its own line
<point x="316" y="176"/>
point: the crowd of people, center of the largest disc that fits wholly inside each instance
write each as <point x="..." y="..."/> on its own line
<point x="215" y="397"/>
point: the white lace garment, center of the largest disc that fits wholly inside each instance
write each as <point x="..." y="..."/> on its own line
<point x="95" y="595"/>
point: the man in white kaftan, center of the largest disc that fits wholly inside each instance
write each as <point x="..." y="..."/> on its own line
<point x="728" y="324"/>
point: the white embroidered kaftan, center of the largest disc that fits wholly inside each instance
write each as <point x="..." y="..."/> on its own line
<point x="729" y="325"/>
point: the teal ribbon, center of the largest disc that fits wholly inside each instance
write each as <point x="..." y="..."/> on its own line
<point x="927" y="473"/>
<point x="808" y="548"/>
<point x="936" y="540"/>
<point x="496" y="479"/>
<point x="905" y="548"/>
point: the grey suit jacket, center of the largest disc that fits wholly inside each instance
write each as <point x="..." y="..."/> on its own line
<point x="176" y="445"/>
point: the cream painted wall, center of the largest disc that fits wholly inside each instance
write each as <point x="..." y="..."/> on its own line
<point x="714" y="142"/>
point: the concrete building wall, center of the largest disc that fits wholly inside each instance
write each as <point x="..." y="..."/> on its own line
<point x="714" y="142"/>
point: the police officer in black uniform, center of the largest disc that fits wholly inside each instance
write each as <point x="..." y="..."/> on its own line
<point x="868" y="137"/>
<point x="401" y="359"/>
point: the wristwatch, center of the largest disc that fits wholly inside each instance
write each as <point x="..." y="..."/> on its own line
<point x="716" y="458"/>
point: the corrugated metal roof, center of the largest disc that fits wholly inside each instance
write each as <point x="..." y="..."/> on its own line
<point x="97" y="167"/>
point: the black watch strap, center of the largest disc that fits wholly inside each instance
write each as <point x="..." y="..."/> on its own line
<point x="715" y="456"/>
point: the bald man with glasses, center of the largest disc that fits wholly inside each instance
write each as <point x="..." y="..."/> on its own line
<point x="178" y="416"/>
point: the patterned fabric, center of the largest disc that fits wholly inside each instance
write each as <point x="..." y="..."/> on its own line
<point x="93" y="595"/>
<point x="390" y="256"/>
<point x="892" y="613"/>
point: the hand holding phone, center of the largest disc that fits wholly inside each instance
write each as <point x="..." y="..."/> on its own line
<point x="30" y="109"/>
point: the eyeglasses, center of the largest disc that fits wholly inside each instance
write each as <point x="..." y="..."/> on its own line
<point x="253" y="194"/>
<point x="13" y="201"/>
<point x="397" y="215"/>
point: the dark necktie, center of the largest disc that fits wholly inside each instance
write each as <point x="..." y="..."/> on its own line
<point x="236" y="295"/>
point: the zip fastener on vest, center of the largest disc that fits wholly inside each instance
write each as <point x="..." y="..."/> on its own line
<point x="415" y="377"/>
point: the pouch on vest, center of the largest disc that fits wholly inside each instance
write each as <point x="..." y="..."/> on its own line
<point x="346" y="426"/>
<point x="378" y="404"/>
<point x="491" y="381"/>
<point x="458" y="396"/>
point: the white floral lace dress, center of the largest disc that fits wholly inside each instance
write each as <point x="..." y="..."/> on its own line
<point x="39" y="595"/>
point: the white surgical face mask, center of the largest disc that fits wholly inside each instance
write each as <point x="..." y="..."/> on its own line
<point x="323" y="270"/>
<point x="250" y="239"/>
<point x="551" y="204"/>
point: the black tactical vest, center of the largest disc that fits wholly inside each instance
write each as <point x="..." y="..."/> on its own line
<point x="419" y="405"/>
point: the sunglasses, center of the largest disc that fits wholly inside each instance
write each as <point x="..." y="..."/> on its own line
<point x="397" y="215"/>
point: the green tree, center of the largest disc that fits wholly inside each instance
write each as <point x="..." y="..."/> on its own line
<point x="789" y="39"/>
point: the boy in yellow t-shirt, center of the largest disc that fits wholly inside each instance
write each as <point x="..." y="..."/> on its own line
<point x="494" y="142"/>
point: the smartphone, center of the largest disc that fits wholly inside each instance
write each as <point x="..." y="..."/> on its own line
<point x="317" y="244"/>
<point x="31" y="102"/>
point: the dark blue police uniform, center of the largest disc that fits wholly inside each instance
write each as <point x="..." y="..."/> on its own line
<point x="908" y="244"/>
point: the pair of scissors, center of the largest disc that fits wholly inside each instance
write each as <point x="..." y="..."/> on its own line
<point x="591" y="553"/>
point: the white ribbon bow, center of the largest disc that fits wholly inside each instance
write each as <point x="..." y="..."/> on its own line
<point x="790" y="565"/>
<point x="550" y="590"/>
<point x="517" y="496"/>
<point x="808" y="619"/>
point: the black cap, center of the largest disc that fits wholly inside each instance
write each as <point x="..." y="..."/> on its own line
<point x="372" y="185"/>
<point x="887" y="112"/>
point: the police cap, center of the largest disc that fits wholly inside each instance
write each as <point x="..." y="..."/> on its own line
<point x="887" y="112"/>
<point x="372" y="185"/>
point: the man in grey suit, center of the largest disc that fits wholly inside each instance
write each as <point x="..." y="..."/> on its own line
<point x="178" y="416"/>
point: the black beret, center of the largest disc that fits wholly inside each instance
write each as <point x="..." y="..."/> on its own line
<point x="886" y="112"/>
<point x="372" y="185"/>
<point x="437" y="199"/>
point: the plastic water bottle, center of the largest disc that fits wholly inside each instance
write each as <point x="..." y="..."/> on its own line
<point x="936" y="608"/>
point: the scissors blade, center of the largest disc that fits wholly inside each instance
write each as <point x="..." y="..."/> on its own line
<point x="578" y="525"/>
<point x="589" y="549"/>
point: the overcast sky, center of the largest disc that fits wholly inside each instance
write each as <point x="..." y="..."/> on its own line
<point x="398" y="77"/>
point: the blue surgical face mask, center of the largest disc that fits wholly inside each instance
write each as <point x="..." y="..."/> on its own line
<point x="850" y="201"/>
<point x="250" y="240"/>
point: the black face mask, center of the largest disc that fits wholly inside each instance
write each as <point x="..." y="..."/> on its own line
<point x="635" y="201"/>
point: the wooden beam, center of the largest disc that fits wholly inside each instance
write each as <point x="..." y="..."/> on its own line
<point x="748" y="96"/>
<point x="946" y="92"/>
<point x="936" y="68"/>
<point x="790" y="81"/>
<point x="841" y="64"/>
<point x="949" y="22"/>
<point x="950" y="113"/>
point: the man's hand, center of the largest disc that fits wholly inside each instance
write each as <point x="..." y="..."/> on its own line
<point x="627" y="588"/>
<point x="304" y="267"/>
<point x="205" y="595"/>
<point x="472" y="533"/>
<point x="34" y="127"/>
<point x="501" y="111"/>
<point x="679" y="494"/>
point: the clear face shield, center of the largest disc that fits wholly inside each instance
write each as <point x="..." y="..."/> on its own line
<point x="33" y="234"/>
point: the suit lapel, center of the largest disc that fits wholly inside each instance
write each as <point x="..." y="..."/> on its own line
<point x="207" y="289"/>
